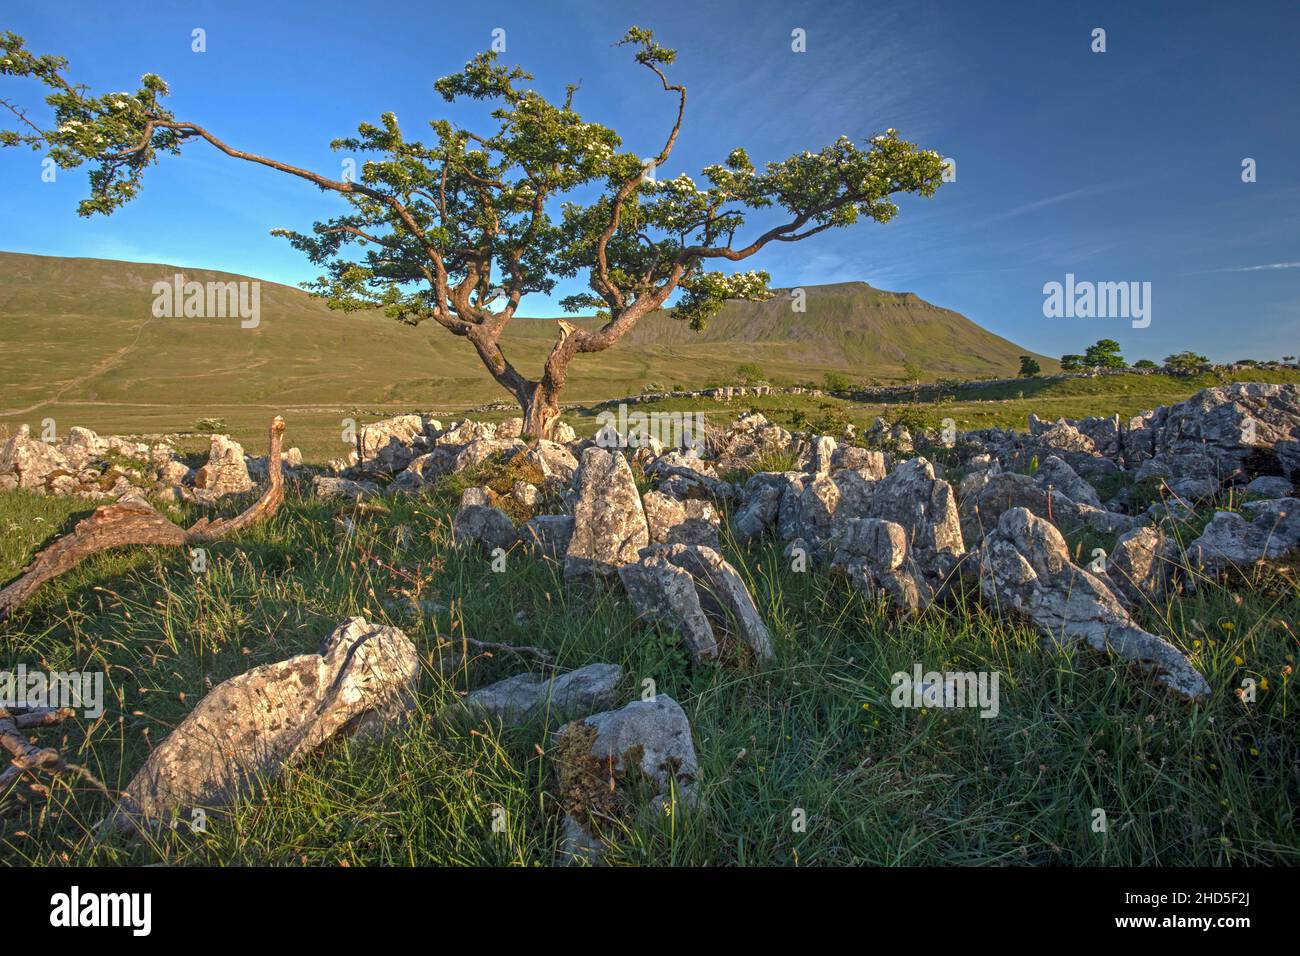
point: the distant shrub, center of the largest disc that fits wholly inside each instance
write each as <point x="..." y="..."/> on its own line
<point x="1185" y="363"/>
<point x="836" y="382"/>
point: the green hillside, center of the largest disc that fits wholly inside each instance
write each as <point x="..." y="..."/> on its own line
<point x="81" y="345"/>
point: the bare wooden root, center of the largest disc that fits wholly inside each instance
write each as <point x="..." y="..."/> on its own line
<point x="136" y="522"/>
<point x="26" y="757"/>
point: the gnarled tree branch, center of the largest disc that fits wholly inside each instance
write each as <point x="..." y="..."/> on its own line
<point x="136" y="522"/>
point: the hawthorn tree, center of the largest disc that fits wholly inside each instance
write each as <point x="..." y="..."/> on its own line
<point x="458" y="228"/>
<point x="1104" y="354"/>
<point x="1185" y="363"/>
<point x="1029" y="366"/>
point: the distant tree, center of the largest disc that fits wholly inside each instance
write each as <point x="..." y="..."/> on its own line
<point x="1145" y="364"/>
<point x="1071" y="363"/>
<point x="836" y="382"/>
<point x="749" y="373"/>
<point x="1185" y="363"/>
<point x="1104" y="354"/>
<point x="912" y="372"/>
<point x="1288" y="359"/>
<point x="1029" y="367"/>
<point x="460" y="228"/>
<point x="1247" y="361"/>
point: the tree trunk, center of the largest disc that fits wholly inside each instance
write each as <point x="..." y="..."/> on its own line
<point x="541" y="411"/>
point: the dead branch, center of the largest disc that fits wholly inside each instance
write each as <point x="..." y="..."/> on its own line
<point x="136" y="522"/>
<point x="542" y="655"/>
<point x="264" y="507"/>
<point x="27" y="757"/>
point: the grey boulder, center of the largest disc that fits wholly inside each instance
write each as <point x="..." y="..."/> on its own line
<point x="662" y="592"/>
<point x="484" y="525"/>
<point x="1270" y="530"/>
<point x="609" y="524"/>
<point x="568" y="695"/>
<point x="251" y="727"/>
<point x="1025" y="569"/>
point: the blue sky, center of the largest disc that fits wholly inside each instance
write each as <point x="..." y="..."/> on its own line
<point x="1118" y="166"/>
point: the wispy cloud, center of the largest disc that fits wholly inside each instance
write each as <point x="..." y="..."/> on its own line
<point x="1069" y="196"/>
<point x="1261" y="268"/>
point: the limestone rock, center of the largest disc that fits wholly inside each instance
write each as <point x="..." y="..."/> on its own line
<point x="760" y="505"/>
<point x="526" y="493"/>
<point x="650" y="739"/>
<point x="924" y="505"/>
<point x="609" y="526"/>
<point x="476" y="495"/>
<point x="553" y="460"/>
<point x="685" y="475"/>
<point x="484" y="525"/>
<point x="722" y="594"/>
<point x="1232" y="432"/>
<point x="81" y="445"/>
<point x="1270" y="486"/>
<point x="548" y="536"/>
<point x="1063" y="478"/>
<point x="868" y="463"/>
<point x="424" y="469"/>
<point x="874" y="554"/>
<point x="510" y="428"/>
<point x="1025" y="568"/>
<point x="388" y="446"/>
<point x="249" y="728"/>
<point x="671" y="521"/>
<point x="174" y="473"/>
<point x="750" y="438"/>
<point x="1270" y="531"/>
<point x="477" y="452"/>
<point x="823" y="453"/>
<point x="30" y="460"/>
<point x="662" y="592"/>
<point x="225" y="473"/>
<point x="1144" y="565"/>
<point x="577" y="846"/>
<point x="326" y="487"/>
<point x="464" y="432"/>
<point x="985" y="496"/>
<point x="568" y="695"/>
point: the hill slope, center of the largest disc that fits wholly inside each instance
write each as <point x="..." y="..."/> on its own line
<point x="80" y="332"/>
<point x="853" y="326"/>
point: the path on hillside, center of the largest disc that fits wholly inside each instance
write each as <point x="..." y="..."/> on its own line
<point x="102" y="366"/>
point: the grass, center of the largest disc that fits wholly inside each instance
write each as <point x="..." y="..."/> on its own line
<point x="813" y="731"/>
